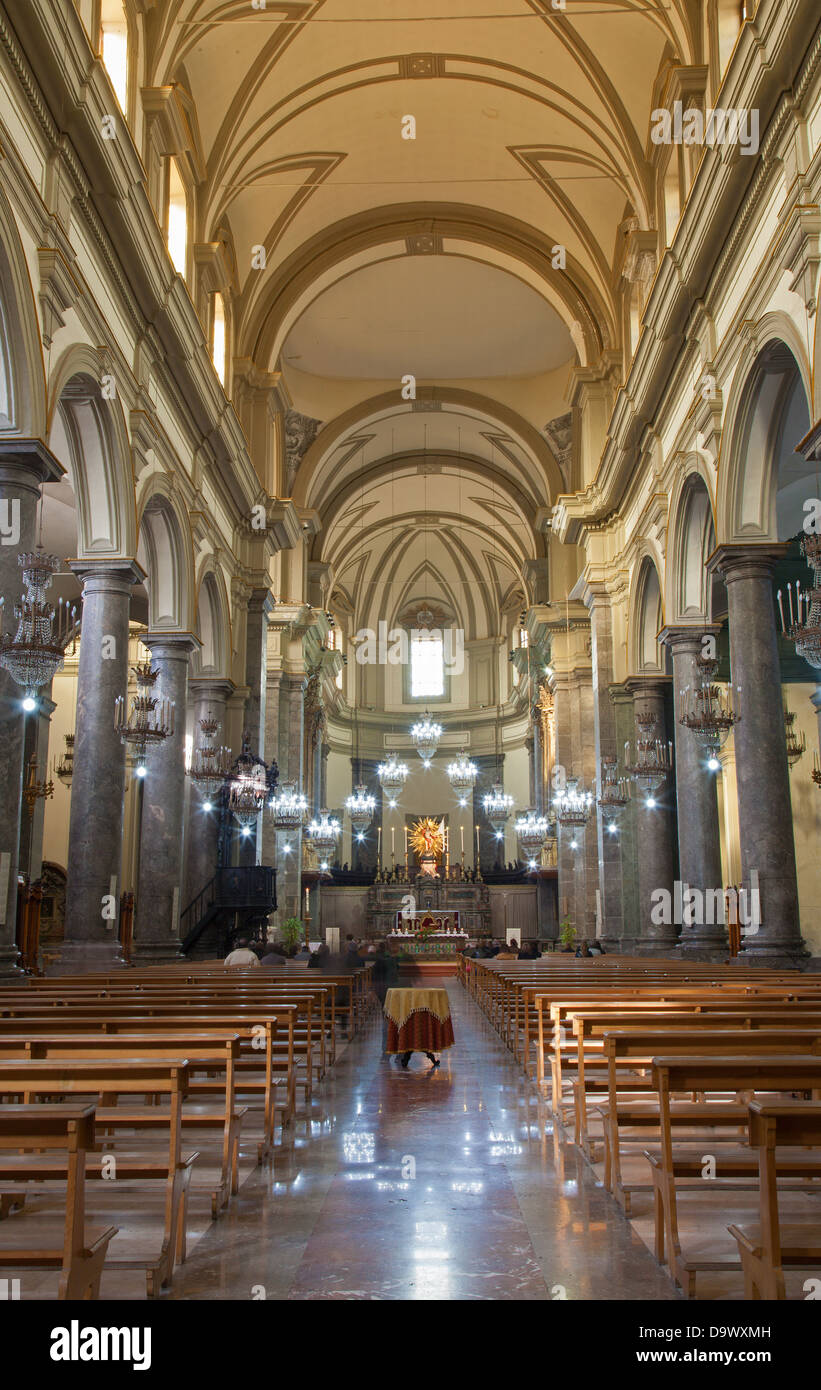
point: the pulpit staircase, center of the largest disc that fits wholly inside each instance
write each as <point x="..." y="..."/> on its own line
<point x="236" y="901"/>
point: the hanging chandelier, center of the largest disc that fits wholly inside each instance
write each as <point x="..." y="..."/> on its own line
<point x="64" y="765"/>
<point x="653" y="761"/>
<point x="796" y="742"/>
<point x="426" y="735"/>
<point x="210" y="764"/>
<point x="248" y="787"/>
<point x="324" y="833"/>
<point x="360" y="807"/>
<point x="33" y="788"/>
<point x="392" y="775"/>
<point x="497" y="806"/>
<point x="703" y="709"/>
<point x="615" y="790"/>
<point x="151" y="719"/>
<point x="37" y="651"/>
<point x="533" y="830"/>
<point x="573" y="804"/>
<point x="804" y="628"/>
<point x="289" y="806"/>
<point x="462" y="774"/>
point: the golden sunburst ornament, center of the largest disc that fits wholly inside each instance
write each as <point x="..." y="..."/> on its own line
<point x="427" y="838"/>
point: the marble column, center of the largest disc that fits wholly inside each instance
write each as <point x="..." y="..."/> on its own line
<point x="608" y="844"/>
<point x="699" y="846"/>
<point x="490" y="769"/>
<point x="256" y="630"/>
<point x="654" y="829"/>
<point x="364" y="852"/>
<point x="624" y="725"/>
<point x="290" y="760"/>
<point x="764" y="806"/>
<point x="98" y="784"/>
<point x="270" y="752"/>
<point x="159" y="875"/>
<point x="24" y="467"/>
<point x="209" y="698"/>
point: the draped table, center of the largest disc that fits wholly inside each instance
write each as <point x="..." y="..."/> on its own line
<point x="418" y="1020"/>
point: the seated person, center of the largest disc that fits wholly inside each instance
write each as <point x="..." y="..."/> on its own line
<point x="242" y="955"/>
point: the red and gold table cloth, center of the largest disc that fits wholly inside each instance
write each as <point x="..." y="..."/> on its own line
<point x="418" y="1020"/>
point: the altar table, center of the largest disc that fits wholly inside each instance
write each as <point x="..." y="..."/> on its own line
<point x="418" y="1020"/>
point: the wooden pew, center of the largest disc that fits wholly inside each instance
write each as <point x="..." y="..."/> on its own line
<point x="710" y="1075"/>
<point x="766" y="1250"/>
<point x="172" y="1167"/>
<point x="67" y="1130"/>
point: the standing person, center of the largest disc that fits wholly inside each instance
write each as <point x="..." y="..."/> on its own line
<point x="385" y="976"/>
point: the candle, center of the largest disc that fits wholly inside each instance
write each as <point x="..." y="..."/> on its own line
<point x="393" y="846"/>
<point x="462" y="841"/>
<point x="379" y="846"/>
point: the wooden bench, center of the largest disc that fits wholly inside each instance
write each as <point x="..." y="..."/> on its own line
<point x="67" y="1130"/>
<point x="172" y="1168"/>
<point x="769" y="1248"/>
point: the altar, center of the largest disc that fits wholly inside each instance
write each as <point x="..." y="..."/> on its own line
<point x="451" y="900"/>
<point x="427" y="934"/>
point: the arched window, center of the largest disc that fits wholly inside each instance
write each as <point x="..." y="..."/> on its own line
<point x="218" y="337"/>
<point x="427" y="665"/>
<point x="177" y="236"/>
<point x="114" y="48"/>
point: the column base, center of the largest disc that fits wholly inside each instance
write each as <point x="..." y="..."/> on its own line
<point x="777" y="956"/>
<point x="712" y="948"/>
<point x="654" y="946"/>
<point x="10" y="972"/>
<point x="87" y="957"/>
<point x="155" y="952"/>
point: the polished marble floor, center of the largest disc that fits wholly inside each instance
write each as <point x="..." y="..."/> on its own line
<point x="429" y="1184"/>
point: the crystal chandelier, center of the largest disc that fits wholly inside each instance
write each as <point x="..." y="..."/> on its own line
<point x="392" y="775"/>
<point x="289" y="806"/>
<point x="210" y="763"/>
<point x="804" y="627"/>
<point x="64" y="765"/>
<point x="37" y="651"/>
<point x="360" y="807"/>
<point x="615" y="790"/>
<point x="532" y="830"/>
<point x="462" y="774"/>
<point x="151" y="719"/>
<point x="248" y="787"/>
<point x="33" y="788"/>
<point x="653" y="761"/>
<point x="324" y="834"/>
<point x="796" y="742"/>
<point x="426" y="735"/>
<point x="497" y="807"/>
<point x="573" y="804"/>
<point x="703" y="710"/>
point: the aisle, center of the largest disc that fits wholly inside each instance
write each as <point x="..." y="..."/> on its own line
<point x="443" y="1183"/>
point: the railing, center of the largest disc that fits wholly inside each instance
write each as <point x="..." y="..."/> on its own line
<point x="193" y="914"/>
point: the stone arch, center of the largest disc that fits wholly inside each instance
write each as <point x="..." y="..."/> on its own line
<point x="692" y="541"/>
<point x="213" y="623"/>
<point x="22" y="375"/>
<point x="166" y="554"/>
<point x="89" y="431"/>
<point x="763" y="385"/>
<point x="646" y="655"/>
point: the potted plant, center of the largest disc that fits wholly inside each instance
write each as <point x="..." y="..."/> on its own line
<point x="292" y="932"/>
<point x="567" y="934"/>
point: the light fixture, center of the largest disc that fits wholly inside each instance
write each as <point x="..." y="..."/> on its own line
<point x="324" y="833"/>
<point x="210" y="764"/>
<point x="151" y="718"/>
<point x="713" y="764"/>
<point x="206" y="806"/>
<point x="64" y="765"/>
<point x="289" y="807"/>
<point x="360" y="806"/>
<point x="796" y="742"/>
<point x="29" y="704"/>
<point x="532" y="830"/>
<point x="33" y="789"/>
<point x="497" y="806"/>
<point x="393" y="776"/>
<point x="36" y="652"/>
<point x="703" y="710"/>
<point x="615" y="790"/>
<point x="573" y="804"/>
<point x="426" y="735"/>
<point x="462" y="773"/>
<point x="653" y="759"/>
<point x="248" y="786"/>
<point x="804" y="627"/>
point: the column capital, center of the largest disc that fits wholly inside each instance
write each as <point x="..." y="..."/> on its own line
<point x="647" y="686"/>
<point x="687" y="637"/>
<point x="752" y="560"/>
<point x="28" y="462"/>
<point x="179" y="645"/>
<point x="108" y="575"/>
<point x="210" y="688"/>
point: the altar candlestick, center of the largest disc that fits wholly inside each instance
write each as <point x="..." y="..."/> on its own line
<point x="406" y="849"/>
<point x="393" y="846"/>
<point x="379" y="846"/>
<point x="477" y="847"/>
<point x="462" y="841"/>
